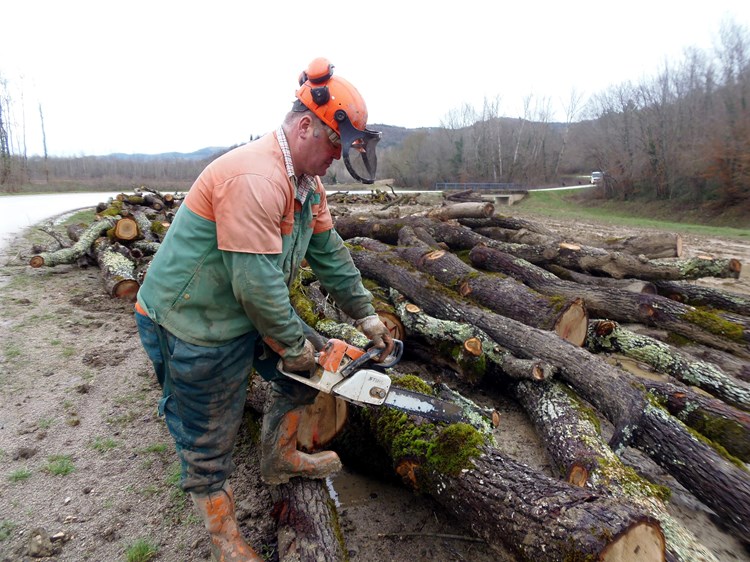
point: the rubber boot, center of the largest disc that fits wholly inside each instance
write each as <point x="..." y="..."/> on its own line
<point x="280" y="458"/>
<point x="217" y="511"/>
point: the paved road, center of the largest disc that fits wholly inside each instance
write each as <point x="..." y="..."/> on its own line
<point x="18" y="212"/>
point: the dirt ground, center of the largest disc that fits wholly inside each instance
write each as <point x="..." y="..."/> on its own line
<point x="87" y="463"/>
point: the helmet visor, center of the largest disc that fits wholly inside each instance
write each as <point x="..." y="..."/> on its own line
<point x="358" y="150"/>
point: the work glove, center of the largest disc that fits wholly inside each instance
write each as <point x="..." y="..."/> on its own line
<point x="373" y="328"/>
<point x="302" y="363"/>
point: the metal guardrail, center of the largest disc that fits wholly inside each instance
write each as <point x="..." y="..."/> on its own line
<point x="478" y="186"/>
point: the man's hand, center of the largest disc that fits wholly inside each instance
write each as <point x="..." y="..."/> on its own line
<point x="373" y="328"/>
<point x="302" y="363"/>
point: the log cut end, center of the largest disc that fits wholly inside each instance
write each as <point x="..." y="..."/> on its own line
<point x="127" y="289"/>
<point x="735" y="266"/>
<point x="572" y="324"/>
<point x="36" y="261"/>
<point x="642" y="542"/>
<point x="321" y="422"/>
<point x="578" y="475"/>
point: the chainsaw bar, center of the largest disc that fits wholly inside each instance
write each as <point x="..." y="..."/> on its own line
<point x="423" y="405"/>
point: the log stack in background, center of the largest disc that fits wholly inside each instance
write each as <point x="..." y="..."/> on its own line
<point x="484" y="301"/>
<point x="121" y="241"/>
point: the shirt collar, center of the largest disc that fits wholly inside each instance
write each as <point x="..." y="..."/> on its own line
<point x="306" y="183"/>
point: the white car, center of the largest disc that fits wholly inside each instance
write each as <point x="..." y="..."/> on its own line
<point x="597" y="177"/>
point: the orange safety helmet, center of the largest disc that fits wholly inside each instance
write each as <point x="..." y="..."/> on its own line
<point x="339" y="105"/>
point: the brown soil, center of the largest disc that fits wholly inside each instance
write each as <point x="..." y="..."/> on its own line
<point x="75" y="383"/>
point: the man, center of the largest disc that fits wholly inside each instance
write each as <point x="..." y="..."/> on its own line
<point x="215" y="302"/>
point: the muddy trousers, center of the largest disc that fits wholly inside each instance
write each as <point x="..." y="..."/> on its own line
<point x="204" y="391"/>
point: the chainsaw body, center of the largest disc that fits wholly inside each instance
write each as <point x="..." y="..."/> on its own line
<point x="340" y="370"/>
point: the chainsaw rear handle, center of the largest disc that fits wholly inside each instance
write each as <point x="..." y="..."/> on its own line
<point x="371" y="353"/>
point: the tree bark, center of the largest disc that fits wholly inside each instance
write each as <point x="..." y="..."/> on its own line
<point x="714" y="480"/>
<point x="307" y="521"/>
<point x="501" y="500"/>
<point x="608" y="336"/>
<point x="713" y="418"/>
<point x="117" y="271"/>
<point x="698" y="295"/>
<point x="81" y="247"/>
<point x="462" y="210"/>
<point x="617" y="304"/>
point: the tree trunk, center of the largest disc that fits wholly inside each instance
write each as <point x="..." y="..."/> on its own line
<point x="579" y="258"/>
<point x="501" y="500"/>
<point x="617" y="304"/>
<point x="513" y="223"/>
<point x="608" y="336"/>
<point x="126" y="230"/>
<point x="714" y="480"/>
<point x="462" y="210"/>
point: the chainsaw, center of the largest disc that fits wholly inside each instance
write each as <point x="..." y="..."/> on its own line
<point x="351" y="373"/>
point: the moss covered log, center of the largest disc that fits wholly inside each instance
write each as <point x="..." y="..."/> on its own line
<point x="609" y="336"/>
<point x="69" y="255"/>
<point x="570" y="431"/>
<point x="539" y="517"/>
<point x="719" y="422"/>
<point x="698" y="295"/>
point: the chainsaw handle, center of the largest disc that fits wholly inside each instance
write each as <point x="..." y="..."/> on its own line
<point x="371" y="353"/>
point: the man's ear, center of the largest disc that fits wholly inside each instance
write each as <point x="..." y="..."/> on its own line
<point x="305" y="126"/>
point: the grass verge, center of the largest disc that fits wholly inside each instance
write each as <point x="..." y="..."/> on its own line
<point x="582" y="204"/>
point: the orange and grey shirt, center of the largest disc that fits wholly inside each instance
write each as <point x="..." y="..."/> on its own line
<point x="228" y="259"/>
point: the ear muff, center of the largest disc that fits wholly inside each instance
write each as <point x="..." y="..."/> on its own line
<point x="318" y="73"/>
<point x="320" y="95"/>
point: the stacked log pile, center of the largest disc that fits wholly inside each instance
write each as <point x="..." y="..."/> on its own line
<point x="502" y="301"/>
<point x="121" y="240"/>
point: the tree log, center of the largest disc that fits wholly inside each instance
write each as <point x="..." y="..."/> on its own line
<point x="721" y="485"/>
<point x="83" y="245"/>
<point x="504" y="296"/>
<point x="617" y="304"/>
<point x="117" y="271"/>
<point x="307" y="522"/>
<point x="632" y="285"/>
<point x="713" y="418"/>
<point x="539" y="517"/>
<point x="462" y="210"/>
<point x="513" y="223"/>
<point x="593" y="260"/>
<point x="698" y="295"/>
<point x="451" y="338"/>
<point x="573" y="441"/>
<point x="126" y="229"/>
<point x="609" y="336"/>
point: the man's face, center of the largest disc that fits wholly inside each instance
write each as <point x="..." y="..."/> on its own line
<point x="321" y="148"/>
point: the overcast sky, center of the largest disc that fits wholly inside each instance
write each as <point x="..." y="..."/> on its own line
<point x="157" y="76"/>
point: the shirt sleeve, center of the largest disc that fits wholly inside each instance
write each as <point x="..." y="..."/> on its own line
<point x="333" y="265"/>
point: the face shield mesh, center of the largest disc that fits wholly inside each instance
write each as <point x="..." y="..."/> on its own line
<point x="358" y="149"/>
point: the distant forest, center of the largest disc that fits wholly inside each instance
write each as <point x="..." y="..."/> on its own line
<point x="683" y="134"/>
